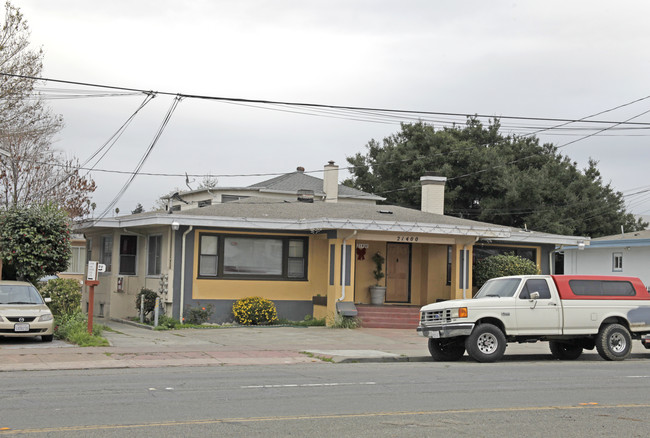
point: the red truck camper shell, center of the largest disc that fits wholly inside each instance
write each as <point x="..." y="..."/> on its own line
<point x="600" y="287"/>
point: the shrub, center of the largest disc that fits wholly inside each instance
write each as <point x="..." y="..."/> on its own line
<point x="347" y="322"/>
<point x="167" y="322"/>
<point x="149" y="300"/>
<point x="254" y="311"/>
<point x="74" y="328"/>
<point x="501" y="266"/>
<point x="198" y="315"/>
<point x="65" y="294"/>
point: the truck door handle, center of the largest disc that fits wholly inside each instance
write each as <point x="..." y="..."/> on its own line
<point x="552" y="304"/>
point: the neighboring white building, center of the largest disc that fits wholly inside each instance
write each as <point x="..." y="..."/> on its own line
<point x="625" y="254"/>
<point x="281" y="187"/>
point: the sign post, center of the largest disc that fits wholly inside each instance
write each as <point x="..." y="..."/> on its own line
<point x="91" y="282"/>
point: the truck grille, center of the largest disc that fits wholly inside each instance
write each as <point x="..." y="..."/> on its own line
<point x="436" y="316"/>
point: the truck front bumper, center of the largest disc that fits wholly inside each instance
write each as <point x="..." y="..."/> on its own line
<point x="446" y="330"/>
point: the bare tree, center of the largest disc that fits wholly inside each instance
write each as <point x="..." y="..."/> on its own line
<point x="33" y="173"/>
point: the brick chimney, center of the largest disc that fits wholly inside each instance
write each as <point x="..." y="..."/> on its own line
<point x="331" y="182"/>
<point x="433" y="193"/>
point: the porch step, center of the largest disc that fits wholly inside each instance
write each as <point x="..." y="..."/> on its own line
<point x="387" y="316"/>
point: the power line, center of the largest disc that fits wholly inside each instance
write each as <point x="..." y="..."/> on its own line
<point x="318" y="105"/>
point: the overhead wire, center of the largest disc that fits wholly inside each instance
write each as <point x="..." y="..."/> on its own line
<point x="376" y="115"/>
<point x="143" y="159"/>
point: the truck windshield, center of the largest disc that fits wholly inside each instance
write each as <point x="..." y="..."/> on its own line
<point x="501" y="287"/>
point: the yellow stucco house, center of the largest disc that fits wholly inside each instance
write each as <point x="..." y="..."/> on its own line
<point x="290" y="239"/>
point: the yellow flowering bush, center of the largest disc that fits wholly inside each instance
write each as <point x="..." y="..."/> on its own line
<point x="254" y="311"/>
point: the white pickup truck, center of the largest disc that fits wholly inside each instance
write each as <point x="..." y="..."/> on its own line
<point x="571" y="312"/>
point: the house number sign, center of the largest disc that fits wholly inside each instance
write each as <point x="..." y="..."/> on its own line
<point x="407" y="239"/>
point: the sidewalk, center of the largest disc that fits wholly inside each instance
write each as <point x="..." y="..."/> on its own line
<point x="136" y="347"/>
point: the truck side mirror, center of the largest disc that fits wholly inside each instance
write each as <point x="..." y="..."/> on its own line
<point x="534" y="295"/>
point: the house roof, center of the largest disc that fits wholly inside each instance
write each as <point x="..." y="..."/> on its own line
<point x="290" y="184"/>
<point x="262" y="213"/>
<point x="635" y="238"/>
<point x="294" y="181"/>
<point x="522" y="236"/>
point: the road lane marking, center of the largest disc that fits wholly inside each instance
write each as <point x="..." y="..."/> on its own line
<point x="305" y="385"/>
<point x="313" y="417"/>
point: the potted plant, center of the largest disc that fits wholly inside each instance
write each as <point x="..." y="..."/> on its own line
<point x="377" y="292"/>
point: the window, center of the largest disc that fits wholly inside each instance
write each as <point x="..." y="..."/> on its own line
<point x="246" y="256"/>
<point x="76" y="262"/>
<point x="106" y="252"/>
<point x="205" y="203"/>
<point x="128" y="254"/>
<point x="232" y="198"/>
<point x="617" y="262"/>
<point x="535" y="285"/>
<point x="208" y="255"/>
<point x="229" y="256"/>
<point x="602" y="288"/>
<point x="89" y="249"/>
<point x="296" y="261"/>
<point x="154" y="254"/>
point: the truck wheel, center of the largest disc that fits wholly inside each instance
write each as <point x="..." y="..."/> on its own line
<point x="614" y="342"/>
<point x="565" y="351"/>
<point x="486" y="343"/>
<point x="446" y="350"/>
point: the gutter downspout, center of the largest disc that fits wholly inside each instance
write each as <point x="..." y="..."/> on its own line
<point x="183" y="272"/>
<point x="343" y="266"/>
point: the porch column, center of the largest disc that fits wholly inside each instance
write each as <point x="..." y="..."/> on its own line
<point x="461" y="282"/>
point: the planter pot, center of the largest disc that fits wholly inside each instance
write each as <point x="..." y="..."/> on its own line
<point x="377" y="294"/>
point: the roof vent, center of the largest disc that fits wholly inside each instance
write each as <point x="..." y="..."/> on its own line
<point x="300" y="169"/>
<point x="305" y="195"/>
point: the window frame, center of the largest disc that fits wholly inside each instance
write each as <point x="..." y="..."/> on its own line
<point x="617" y="262"/>
<point x="134" y="256"/>
<point x="157" y="256"/>
<point x="106" y="258"/>
<point x="80" y="253"/>
<point x="283" y="276"/>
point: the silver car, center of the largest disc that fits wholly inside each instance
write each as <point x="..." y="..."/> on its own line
<point x="23" y="312"/>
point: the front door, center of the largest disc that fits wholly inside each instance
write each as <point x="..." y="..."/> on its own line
<point x="398" y="272"/>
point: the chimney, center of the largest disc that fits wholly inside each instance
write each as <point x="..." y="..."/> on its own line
<point x="331" y="182"/>
<point x="433" y="193"/>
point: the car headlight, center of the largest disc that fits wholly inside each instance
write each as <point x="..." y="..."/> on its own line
<point x="460" y="312"/>
<point x="46" y="317"/>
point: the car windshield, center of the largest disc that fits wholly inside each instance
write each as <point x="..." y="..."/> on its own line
<point x="19" y="294"/>
<point x="500" y="287"/>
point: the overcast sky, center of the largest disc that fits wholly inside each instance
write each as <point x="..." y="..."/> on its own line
<point x="550" y="59"/>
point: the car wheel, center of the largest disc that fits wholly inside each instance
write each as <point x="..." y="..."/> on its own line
<point x="47" y="338"/>
<point x="564" y="350"/>
<point x="486" y="343"/>
<point x="446" y="350"/>
<point x="614" y="342"/>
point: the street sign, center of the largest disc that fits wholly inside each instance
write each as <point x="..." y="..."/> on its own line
<point x="92" y="271"/>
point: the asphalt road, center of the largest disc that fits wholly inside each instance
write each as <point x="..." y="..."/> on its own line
<point x="515" y="398"/>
